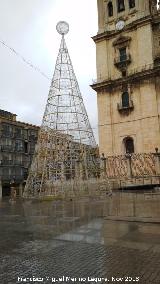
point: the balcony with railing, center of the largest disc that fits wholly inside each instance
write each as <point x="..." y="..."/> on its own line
<point x="143" y="71"/>
<point x="19" y="149"/>
<point x="6" y="134"/>
<point x="17" y="163"/>
<point x="26" y="164"/>
<point x="6" y="163"/>
<point x="7" y="148"/>
<point x="122" y="60"/>
<point x="6" y="178"/>
<point x="32" y="138"/>
<point x="121" y="107"/>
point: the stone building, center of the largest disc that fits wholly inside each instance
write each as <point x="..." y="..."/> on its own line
<point x="17" y="144"/>
<point x="128" y="70"/>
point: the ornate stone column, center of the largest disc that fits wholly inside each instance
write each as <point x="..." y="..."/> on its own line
<point x="157" y="161"/>
<point x="129" y="165"/>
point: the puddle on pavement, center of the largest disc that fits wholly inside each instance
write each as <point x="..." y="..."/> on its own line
<point x="80" y="221"/>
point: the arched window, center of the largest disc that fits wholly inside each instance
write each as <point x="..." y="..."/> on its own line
<point x="129" y="145"/>
<point x="125" y="99"/>
<point x="131" y="4"/>
<point x="110" y="9"/>
<point x="120" y="5"/>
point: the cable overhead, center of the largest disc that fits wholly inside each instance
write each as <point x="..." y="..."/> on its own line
<point x="35" y="68"/>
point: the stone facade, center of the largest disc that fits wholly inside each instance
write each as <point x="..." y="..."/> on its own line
<point x="128" y="69"/>
<point x="17" y="144"/>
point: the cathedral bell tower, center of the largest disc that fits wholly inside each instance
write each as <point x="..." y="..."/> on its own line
<point x="128" y="76"/>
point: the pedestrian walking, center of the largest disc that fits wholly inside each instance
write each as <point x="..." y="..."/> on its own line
<point x="13" y="190"/>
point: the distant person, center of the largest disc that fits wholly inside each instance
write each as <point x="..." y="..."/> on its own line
<point x="13" y="190"/>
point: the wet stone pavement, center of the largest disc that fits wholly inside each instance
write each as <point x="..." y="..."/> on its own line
<point x="71" y="242"/>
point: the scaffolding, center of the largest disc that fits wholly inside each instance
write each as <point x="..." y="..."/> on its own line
<point x="66" y="156"/>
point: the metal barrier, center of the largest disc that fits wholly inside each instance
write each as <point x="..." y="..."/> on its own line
<point x="132" y="165"/>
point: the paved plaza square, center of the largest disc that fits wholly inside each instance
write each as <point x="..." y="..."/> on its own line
<point x="73" y="242"/>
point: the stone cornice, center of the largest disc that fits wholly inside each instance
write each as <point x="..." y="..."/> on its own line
<point x="121" y="39"/>
<point x="109" y="84"/>
<point x="18" y="123"/>
<point x="129" y="27"/>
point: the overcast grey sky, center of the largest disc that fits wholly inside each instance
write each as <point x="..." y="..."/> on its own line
<point x="29" y="26"/>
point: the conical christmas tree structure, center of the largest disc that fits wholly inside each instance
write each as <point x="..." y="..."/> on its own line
<point x="66" y="151"/>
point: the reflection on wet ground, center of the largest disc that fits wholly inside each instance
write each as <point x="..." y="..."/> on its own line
<point x="75" y="239"/>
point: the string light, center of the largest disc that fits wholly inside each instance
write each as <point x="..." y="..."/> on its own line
<point x="44" y="75"/>
<point x="24" y="60"/>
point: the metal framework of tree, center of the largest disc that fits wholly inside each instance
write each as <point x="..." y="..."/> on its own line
<point x="66" y="150"/>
